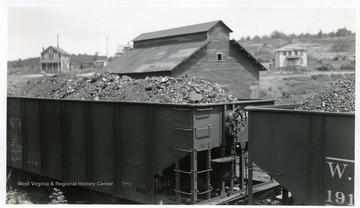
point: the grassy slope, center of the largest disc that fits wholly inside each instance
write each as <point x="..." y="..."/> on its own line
<point x="290" y="88"/>
<point x="325" y="48"/>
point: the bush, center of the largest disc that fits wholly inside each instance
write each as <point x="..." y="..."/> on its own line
<point x="285" y="94"/>
<point x="326" y="67"/>
<point x="320" y="77"/>
<point x="347" y="67"/>
<point x="263" y="93"/>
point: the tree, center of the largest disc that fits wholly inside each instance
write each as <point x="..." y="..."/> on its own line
<point x="242" y="40"/>
<point x="265" y="37"/>
<point x="307" y="35"/>
<point x="277" y="34"/>
<point x="290" y="38"/>
<point x="95" y="57"/>
<point x="320" y="34"/>
<point x="256" y="38"/>
<point x="343" y="32"/>
<point x="248" y="38"/>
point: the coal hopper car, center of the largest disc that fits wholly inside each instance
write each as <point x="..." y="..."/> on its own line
<point x="310" y="153"/>
<point x="144" y="152"/>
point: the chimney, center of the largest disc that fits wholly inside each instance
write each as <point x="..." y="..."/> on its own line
<point x="43" y="48"/>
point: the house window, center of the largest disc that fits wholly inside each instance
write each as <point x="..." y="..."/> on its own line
<point x="301" y="53"/>
<point x="46" y="56"/>
<point x="55" y="56"/>
<point x="50" y="50"/>
<point x="296" y="53"/>
<point x="284" y="53"/>
<point x="289" y="53"/>
<point x="219" y="56"/>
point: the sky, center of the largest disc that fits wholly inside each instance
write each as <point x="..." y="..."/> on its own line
<point x="84" y="28"/>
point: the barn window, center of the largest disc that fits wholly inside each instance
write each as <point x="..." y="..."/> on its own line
<point x="219" y="56"/>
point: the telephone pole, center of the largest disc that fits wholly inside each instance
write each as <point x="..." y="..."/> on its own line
<point x="58" y="56"/>
<point x="107" y="48"/>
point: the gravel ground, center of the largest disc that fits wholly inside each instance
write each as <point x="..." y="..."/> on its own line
<point x="338" y="97"/>
<point x="111" y="87"/>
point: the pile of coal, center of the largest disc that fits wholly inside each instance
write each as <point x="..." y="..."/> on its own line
<point x="112" y="87"/>
<point x="338" y="97"/>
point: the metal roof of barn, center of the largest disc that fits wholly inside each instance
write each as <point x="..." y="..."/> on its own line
<point x="154" y="59"/>
<point x="190" y="29"/>
<point x="55" y="48"/>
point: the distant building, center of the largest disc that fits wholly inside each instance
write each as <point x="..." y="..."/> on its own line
<point x="100" y="63"/>
<point x="202" y="50"/>
<point x="54" y="59"/>
<point x="290" y="56"/>
<point x="121" y="49"/>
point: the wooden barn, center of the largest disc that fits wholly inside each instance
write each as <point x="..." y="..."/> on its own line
<point x="201" y="50"/>
<point x="54" y="59"/>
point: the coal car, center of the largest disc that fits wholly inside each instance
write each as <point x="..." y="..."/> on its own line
<point x="310" y="153"/>
<point x="144" y="152"/>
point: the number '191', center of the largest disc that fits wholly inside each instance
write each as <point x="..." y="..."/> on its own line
<point x="340" y="198"/>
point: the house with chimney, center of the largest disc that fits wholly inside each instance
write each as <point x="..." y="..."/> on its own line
<point x="202" y="50"/>
<point x="54" y="59"/>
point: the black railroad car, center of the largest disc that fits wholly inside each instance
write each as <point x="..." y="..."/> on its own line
<point x="144" y="152"/>
<point x="309" y="153"/>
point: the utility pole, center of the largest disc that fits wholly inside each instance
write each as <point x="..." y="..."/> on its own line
<point x="58" y="56"/>
<point x="107" y="49"/>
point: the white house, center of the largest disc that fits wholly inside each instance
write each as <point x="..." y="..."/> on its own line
<point x="290" y="56"/>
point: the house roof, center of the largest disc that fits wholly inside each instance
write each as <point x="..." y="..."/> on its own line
<point x="290" y="48"/>
<point x="154" y="59"/>
<point x="55" y="48"/>
<point x="203" y="27"/>
<point x="255" y="61"/>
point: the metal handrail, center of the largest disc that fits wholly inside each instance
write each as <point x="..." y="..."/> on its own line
<point x="200" y="193"/>
<point x="182" y="150"/>
<point x="203" y="171"/>
<point x="182" y="109"/>
<point x="182" y="171"/>
<point x="204" y="109"/>
<point x="182" y="129"/>
<point x="181" y="192"/>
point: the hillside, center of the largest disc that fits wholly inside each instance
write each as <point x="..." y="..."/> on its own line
<point x="320" y="50"/>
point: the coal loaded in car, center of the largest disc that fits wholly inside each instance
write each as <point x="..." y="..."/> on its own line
<point x="112" y="87"/>
<point x="337" y="97"/>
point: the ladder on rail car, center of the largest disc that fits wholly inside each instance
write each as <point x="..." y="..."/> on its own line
<point x="193" y="173"/>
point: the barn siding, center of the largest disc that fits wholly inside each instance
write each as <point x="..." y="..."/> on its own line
<point x="235" y="72"/>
